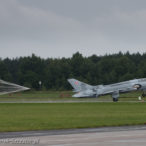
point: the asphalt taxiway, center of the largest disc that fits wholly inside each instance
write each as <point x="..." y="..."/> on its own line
<point x="71" y="101"/>
<point x="107" y="136"/>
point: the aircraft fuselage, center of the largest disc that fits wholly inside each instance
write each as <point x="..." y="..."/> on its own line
<point x="85" y="90"/>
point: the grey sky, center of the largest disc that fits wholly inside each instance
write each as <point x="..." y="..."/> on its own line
<point x="59" y="28"/>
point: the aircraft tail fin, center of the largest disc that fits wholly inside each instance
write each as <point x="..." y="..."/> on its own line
<point x="78" y="85"/>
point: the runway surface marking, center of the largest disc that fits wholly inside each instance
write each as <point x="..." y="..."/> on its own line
<point x="110" y="136"/>
<point x="122" y="138"/>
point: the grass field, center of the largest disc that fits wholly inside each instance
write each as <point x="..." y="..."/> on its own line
<point x="21" y="117"/>
<point x="35" y="116"/>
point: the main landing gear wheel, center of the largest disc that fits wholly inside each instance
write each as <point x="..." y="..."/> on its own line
<point x="115" y="99"/>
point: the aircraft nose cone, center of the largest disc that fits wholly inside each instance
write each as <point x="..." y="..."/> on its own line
<point x="25" y="88"/>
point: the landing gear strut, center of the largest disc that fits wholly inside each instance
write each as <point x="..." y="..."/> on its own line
<point x="115" y="99"/>
<point x="115" y="96"/>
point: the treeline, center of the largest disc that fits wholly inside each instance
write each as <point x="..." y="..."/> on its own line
<point x="53" y="73"/>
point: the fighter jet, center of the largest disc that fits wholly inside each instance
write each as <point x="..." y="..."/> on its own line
<point x="6" y="87"/>
<point x="85" y="90"/>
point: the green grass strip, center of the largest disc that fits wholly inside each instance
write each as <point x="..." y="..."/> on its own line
<point x="21" y="117"/>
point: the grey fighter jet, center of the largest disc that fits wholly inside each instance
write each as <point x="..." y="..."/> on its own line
<point x="85" y="90"/>
<point x="6" y="87"/>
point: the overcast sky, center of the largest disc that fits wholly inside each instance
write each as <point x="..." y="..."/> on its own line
<point x="59" y="28"/>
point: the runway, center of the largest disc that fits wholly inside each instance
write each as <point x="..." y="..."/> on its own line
<point x="108" y="136"/>
<point x="70" y="101"/>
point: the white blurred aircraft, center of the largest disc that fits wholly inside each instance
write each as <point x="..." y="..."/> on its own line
<point x="6" y="87"/>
